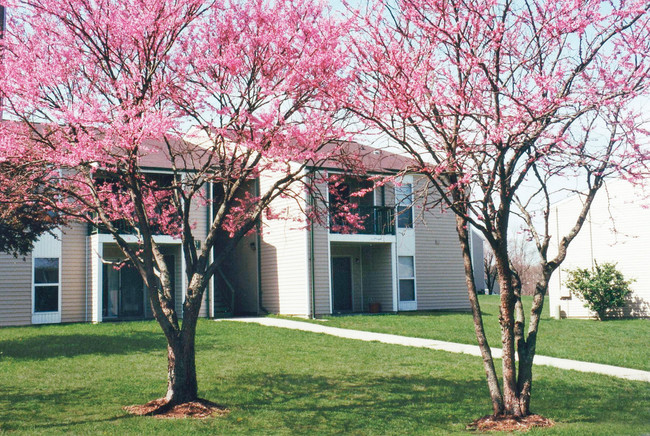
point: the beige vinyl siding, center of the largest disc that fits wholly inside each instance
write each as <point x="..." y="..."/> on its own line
<point x="73" y="277"/>
<point x="389" y="195"/>
<point x="178" y="282"/>
<point x="321" y="261"/>
<point x="321" y="267"/>
<point x="440" y="274"/>
<point x="15" y="290"/>
<point x="199" y="217"/>
<point x="377" y="276"/>
<point x="616" y="231"/>
<point x="284" y="266"/>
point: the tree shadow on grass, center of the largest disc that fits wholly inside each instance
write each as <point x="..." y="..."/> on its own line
<point x="36" y="409"/>
<point x="353" y="402"/>
<point x="69" y="345"/>
<point x="359" y="402"/>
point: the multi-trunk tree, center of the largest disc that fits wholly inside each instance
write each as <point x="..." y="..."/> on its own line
<point x="93" y="87"/>
<point x="502" y="104"/>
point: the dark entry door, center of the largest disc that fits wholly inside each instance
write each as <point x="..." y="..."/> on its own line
<point x="342" y="284"/>
<point x="131" y="293"/>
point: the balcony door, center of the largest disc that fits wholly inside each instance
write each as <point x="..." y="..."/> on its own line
<point x="123" y="293"/>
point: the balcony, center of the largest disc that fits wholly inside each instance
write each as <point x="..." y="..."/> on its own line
<point x="376" y="220"/>
<point x="124" y="227"/>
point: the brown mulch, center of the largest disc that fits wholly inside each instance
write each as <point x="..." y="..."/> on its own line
<point x="509" y="423"/>
<point x="159" y="408"/>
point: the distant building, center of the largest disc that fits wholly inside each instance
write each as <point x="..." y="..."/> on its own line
<point x="616" y="231"/>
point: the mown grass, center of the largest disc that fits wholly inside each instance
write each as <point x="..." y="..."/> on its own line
<point x="614" y="342"/>
<point x="75" y="379"/>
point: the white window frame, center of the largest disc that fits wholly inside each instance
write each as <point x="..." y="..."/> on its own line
<point x="406" y="202"/>
<point x="409" y="304"/>
<point x="47" y="247"/>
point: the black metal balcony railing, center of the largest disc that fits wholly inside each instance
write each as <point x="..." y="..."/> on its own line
<point x="124" y="227"/>
<point x="376" y="220"/>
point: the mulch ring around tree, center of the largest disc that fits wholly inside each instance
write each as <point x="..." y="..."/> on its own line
<point x="159" y="408"/>
<point x="509" y="423"/>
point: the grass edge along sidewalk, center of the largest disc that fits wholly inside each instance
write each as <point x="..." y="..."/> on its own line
<point x="568" y="364"/>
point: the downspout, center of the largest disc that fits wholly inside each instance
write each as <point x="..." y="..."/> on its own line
<point x="86" y="278"/>
<point x="311" y="253"/>
<point x="210" y="214"/>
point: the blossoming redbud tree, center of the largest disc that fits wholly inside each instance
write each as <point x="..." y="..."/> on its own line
<point x="95" y="87"/>
<point x="501" y="102"/>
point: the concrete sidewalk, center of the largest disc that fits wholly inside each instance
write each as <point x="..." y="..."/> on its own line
<point x="614" y="371"/>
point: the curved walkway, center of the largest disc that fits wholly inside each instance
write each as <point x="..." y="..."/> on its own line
<point x="452" y="347"/>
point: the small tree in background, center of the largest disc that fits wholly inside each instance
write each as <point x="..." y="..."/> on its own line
<point x="525" y="263"/>
<point x="602" y="289"/>
<point x="490" y="270"/>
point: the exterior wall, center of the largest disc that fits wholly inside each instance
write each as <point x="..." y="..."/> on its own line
<point x="321" y="273"/>
<point x="616" y="231"/>
<point x="74" y="298"/>
<point x="440" y="274"/>
<point x="284" y="253"/>
<point x="319" y="248"/>
<point x="241" y="270"/>
<point x="199" y="216"/>
<point x="15" y="290"/>
<point x="378" y="276"/>
<point x="477" y="261"/>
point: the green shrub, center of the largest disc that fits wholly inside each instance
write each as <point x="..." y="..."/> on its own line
<point x="602" y="289"/>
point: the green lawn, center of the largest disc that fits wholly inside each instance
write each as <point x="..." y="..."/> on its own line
<point x="614" y="342"/>
<point x="75" y="379"/>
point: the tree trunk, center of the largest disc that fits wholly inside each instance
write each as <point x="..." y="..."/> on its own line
<point x="506" y="319"/>
<point x="486" y="353"/>
<point x="181" y="369"/>
<point x="525" y="382"/>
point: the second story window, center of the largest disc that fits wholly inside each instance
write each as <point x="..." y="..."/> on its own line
<point x="404" y="201"/>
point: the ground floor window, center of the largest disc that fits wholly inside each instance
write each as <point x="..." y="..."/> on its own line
<point x="46" y="284"/>
<point x="406" y="278"/>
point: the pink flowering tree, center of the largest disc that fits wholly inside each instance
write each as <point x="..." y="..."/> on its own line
<point x="95" y="89"/>
<point x="501" y="103"/>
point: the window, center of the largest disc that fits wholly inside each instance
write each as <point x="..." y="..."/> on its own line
<point x="406" y="278"/>
<point x="404" y="200"/>
<point x="46" y="284"/>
